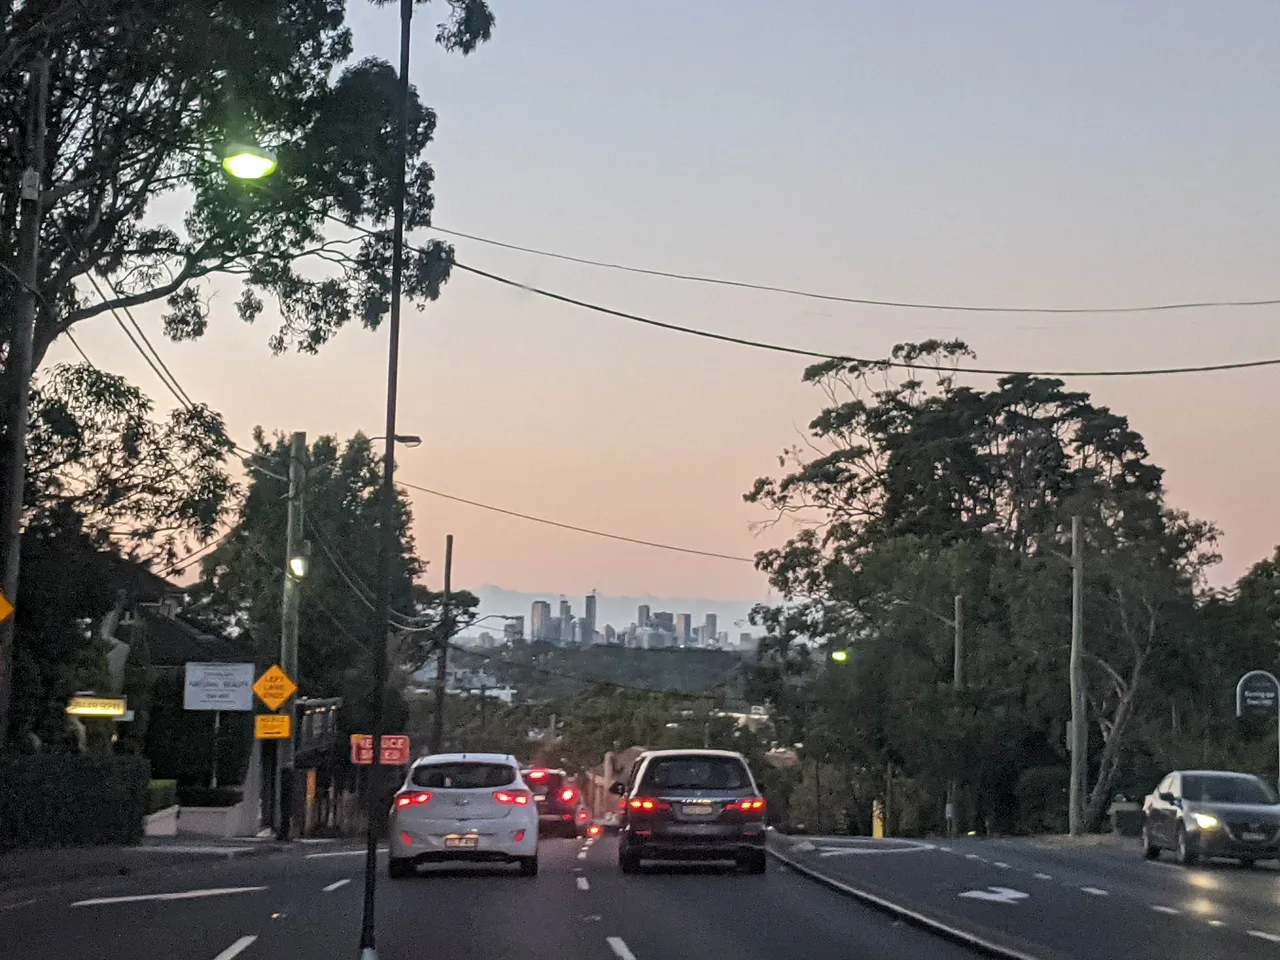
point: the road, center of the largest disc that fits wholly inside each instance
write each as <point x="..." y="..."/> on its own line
<point x="1085" y="904"/>
<point x="306" y="904"/>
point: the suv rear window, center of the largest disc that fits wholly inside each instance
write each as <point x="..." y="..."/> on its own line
<point x="695" y="772"/>
<point x="463" y="776"/>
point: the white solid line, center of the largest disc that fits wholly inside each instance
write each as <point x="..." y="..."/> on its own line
<point x="1094" y="891"/>
<point x="1261" y="935"/>
<point x="341" y="853"/>
<point x="184" y="895"/>
<point x="1043" y="876"/>
<point x="1002" y="866"/>
<point x="1172" y="911"/>
<point x="619" y="947"/>
<point x="582" y="884"/>
<point x="336" y="884"/>
<point x="235" y="949"/>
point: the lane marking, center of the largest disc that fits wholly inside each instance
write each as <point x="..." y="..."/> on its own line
<point x="1002" y="866"/>
<point x="582" y="855"/>
<point x="1217" y="923"/>
<point x="974" y="856"/>
<point x="1171" y="911"/>
<point x="1094" y="891"/>
<point x="946" y="850"/>
<point x="341" y="853"/>
<point x="19" y="905"/>
<point x="1043" y="876"/>
<point x="583" y="884"/>
<point x="184" y="895"/>
<point x="996" y="895"/>
<point x="1262" y="935"/>
<point x="619" y="947"/>
<point x="868" y="845"/>
<point x="336" y="884"/>
<point x="235" y="949"/>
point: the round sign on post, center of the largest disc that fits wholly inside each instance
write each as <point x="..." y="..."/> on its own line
<point x="1258" y="691"/>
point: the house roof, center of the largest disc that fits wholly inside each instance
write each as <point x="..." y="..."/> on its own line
<point x="173" y="641"/>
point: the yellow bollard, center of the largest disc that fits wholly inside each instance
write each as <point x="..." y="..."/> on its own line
<point x="877" y="819"/>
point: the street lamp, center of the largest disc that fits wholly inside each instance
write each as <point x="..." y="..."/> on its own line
<point x="405" y="439"/>
<point x="389" y="540"/>
<point x="840" y="656"/>
<point x="300" y="562"/>
<point x="245" y="160"/>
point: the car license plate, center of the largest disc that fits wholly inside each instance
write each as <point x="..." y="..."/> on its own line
<point x="697" y="810"/>
<point x="1252" y="835"/>
<point x="461" y="843"/>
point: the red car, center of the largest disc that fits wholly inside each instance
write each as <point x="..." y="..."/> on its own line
<point x="561" y="810"/>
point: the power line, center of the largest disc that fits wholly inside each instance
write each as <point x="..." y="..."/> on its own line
<point x="836" y="298"/>
<point x="573" y="527"/>
<point x="819" y="355"/>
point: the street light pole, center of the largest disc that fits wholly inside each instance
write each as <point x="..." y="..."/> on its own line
<point x="18" y="371"/>
<point x="1079" y="730"/>
<point x="442" y="655"/>
<point x="390" y="539"/>
<point x="957" y="680"/>
<point x="289" y="627"/>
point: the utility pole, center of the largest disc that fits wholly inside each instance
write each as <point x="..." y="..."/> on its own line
<point x="957" y="681"/>
<point x="289" y="626"/>
<point x="1079" y="728"/>
<point x="442" y="657"/>
<point x="18" y="370"/>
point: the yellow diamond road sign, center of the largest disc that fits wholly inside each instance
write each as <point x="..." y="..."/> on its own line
<point x="274" y="687"/>
<point x="6" y="608"/>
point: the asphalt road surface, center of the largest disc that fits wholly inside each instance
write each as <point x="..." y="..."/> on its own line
<point x="306" y="904"/>
<point x="1083" y="904"/>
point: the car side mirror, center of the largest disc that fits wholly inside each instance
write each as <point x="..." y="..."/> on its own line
<point x="618" y="789"/>
<point x="1169" y="798"/>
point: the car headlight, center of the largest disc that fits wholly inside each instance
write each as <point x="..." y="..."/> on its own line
<point x="1206" y="821"/>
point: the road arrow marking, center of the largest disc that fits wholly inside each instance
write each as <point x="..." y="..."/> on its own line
<point x="996" y="895"/>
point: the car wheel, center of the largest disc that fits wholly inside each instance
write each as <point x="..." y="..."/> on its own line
<point x="1149" y="850"/>
<point x="1186" y="856"/>
<point x="754" y="862"/>
<point x="399" y="868"/>
<point x="528" y="866"/>
<point x="628" y="862"/>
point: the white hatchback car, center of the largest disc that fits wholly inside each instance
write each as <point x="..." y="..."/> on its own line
<point x="463" y="807"/>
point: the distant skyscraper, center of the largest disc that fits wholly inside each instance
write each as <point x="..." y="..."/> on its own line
<point x="540" y="622"/>
<point x="589" y="620"/>
<point x="610" y="634"/>
<point x="513" y="629"/>
<point x="566" y="621"/>
<point x="664" y="621"/>
<point x="642" y="616"/>
<point x="684" y="627"/>
<point x="709" y="630"/>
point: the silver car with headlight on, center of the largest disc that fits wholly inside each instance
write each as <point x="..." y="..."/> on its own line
<point x="1212" y="813"/>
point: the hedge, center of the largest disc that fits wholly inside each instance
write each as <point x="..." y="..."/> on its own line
<point x="68" y="800"/>
<point x="209" y="796"/>
<point x="162" y="794"/>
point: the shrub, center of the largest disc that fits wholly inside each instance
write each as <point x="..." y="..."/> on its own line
<point x="162" y="794"/>
<point x="209" y="796"/>
<point x="54" y="800"/>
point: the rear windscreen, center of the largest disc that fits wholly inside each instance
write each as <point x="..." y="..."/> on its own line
<point x="544" y="782"/>
<point x="463" y="776"/>
<point x="696" y="773"/>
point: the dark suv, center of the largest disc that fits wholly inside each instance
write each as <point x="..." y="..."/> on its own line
<point x="691" y="805"/>
<point x="561" y="812"/>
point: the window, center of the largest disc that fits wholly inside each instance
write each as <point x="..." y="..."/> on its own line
<point x="694" y="772"/>
<point x="1227" y="789"/>
<point x="463" y="776"/>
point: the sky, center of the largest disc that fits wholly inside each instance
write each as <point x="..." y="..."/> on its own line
<point x="1060" y="154"/>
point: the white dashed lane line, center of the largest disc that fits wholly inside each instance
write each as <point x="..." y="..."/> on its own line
<point x="1094" y="891"/>
<point x="583" y="884"/>
<point x="336" y="884"/>
<point x="1002" y="866"/>
<point x="1171" y="911"/>
<point x="1042" y="876"/>
<point x="1261" y="935"/>
<point x="620" y="949"/>
<point x="235" y="949"/>
<point x="1217" y="923"/>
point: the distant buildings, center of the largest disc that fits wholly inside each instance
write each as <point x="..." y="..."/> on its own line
<point x="566" y="621"/>
<point x="684" y="627"/>
<point x="664" y="621"/>
<point x="643" y="616"/>
<point x="589" y="619"/>
<point x="709" y="632"/>
<point x="542" y="626"/>
<point x="513" y="629"/>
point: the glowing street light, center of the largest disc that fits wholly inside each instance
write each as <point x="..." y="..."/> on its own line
<point x="300" y="563"/>
<point x="840" y="656"/>
<point x="248" y="161"/>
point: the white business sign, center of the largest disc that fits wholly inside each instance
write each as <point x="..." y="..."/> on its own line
<point x="218" y="686"/>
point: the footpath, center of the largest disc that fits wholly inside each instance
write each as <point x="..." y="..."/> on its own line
<point x="30" y="869"/>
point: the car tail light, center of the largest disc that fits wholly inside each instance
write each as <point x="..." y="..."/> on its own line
<point x="512" y="798"/>
<point x="594" y="830"/>
<point x="648" y="805"/>
<point x="749" y="805"/>
<point x="568" y="794"/>
<point x="406" y="839"/>
<point x="519" y="836"/>
<point x="416" y="798"/>
<point x="582" y="814"/>
<point x="537" y="775"/>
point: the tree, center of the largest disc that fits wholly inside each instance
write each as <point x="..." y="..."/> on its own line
<point x="141" y="96"/>
<point x="242" y="580"/>
<point x="913" y="491"/>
